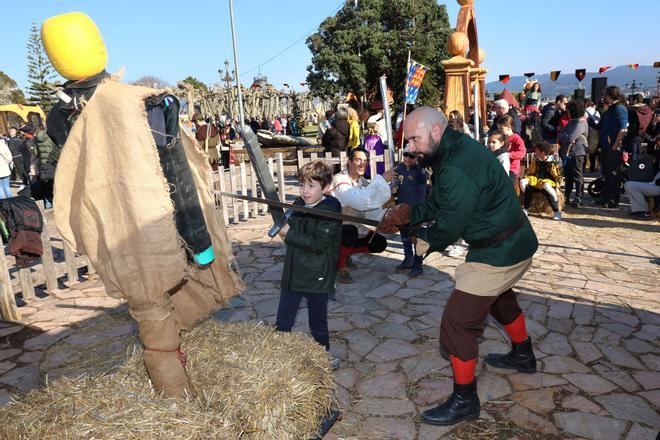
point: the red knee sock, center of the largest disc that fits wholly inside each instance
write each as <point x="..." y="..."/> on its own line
<point x="517" y="330"/>
<point x="463" y="370"/>
<point x="344" y="253"/>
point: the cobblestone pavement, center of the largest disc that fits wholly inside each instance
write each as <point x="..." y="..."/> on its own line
<point x="592" y="307"/>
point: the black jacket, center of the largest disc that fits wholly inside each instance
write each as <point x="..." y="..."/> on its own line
<point x="312" y="250"/>
<point x="549" y="122"/>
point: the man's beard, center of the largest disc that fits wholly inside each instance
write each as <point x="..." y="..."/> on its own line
<point x="426" y="160"/>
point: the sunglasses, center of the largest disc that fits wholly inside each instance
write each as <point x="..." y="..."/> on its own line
<point x="409" y="155"/>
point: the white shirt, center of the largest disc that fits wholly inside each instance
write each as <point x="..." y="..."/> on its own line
<point x="361" y="198"/>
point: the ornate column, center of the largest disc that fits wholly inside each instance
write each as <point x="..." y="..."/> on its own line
<point x="457" y="74"/>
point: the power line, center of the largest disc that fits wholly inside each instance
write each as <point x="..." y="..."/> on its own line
<point x="307" y="34"/>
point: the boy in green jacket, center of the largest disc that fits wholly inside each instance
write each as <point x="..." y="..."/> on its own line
<point x="312" y="250"/>
<point x="470" y="198"/>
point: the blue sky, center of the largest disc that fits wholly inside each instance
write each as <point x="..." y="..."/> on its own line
<point x="174" y="39"/>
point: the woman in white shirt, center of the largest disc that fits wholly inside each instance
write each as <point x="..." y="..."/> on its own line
<point x="5" y="170"/>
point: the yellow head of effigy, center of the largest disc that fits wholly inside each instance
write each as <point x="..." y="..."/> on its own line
<point x="74" y="45"/>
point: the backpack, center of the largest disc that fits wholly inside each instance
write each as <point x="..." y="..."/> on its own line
<point x="641" y="169"/>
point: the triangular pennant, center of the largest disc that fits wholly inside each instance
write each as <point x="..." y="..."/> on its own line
<point x="656" y="64"/>
<point x="580" y="74"/>
<point x="604" y="69"/>
<point x="504" y="79"/>
<point x="529" y="74"/>
<point x="633" y="66"/>
<point x="554" y="75"/>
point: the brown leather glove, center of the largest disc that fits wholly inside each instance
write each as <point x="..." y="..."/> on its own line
<point x="395" y="217"/>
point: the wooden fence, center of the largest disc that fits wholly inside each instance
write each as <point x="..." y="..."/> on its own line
<point x="239" y="179"/>
<point x="47" y="273"/>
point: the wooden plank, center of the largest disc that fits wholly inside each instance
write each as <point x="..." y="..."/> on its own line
<point x="253" y="190"/>
<point x="372" y="167"/>
<point x="8" y="309"/>
<point x="314" y="157"/>
<point x="223" y="203"/>
<point x="47" y="259"/>
<point x="70" y="262"/>
<point x="232" y="188"/>
<point x="301" y="158"/>
<point x="4" y="275"/>
<point x="244" y="191"/>
<point x="280" y="176"/>
<point x="27" y="286"/>
<point x="7" y="300"/>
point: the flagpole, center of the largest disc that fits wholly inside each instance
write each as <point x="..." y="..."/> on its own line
<point x="405" y="104"/>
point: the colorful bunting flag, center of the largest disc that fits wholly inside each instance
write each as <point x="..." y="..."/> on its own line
<point x="604" y="69"/>
<point x="656" y="64"/>
<point x="529" y="74"/>
<point x="504" y="79"/>
<point x="554" y="75"/>
<point x="580" y="74"/>
<point x="416" y="74"/>
<point x="633" y="66"/>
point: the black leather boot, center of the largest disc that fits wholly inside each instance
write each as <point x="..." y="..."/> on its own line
<point x="463" y="404"/>
<point x="521" y="358"/>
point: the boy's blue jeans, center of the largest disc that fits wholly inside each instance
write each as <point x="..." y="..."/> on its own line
<point x="317" y="306"/>
<point x="5" y="188"/>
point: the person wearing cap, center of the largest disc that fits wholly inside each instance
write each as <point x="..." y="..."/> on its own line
<point x="502" y="108"/>
<point x="410" y="187"/>
<point x="471" y="198"/>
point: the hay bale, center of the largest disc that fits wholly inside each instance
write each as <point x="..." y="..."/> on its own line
<point x="540" y="204"/>
<point x="251" y="381"/>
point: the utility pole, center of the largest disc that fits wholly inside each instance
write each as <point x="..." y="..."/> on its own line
<point x="236" y="74"/>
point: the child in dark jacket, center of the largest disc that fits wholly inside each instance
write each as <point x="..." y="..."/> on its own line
<point x="411" y="189"/>
<point x="312" y="250"/>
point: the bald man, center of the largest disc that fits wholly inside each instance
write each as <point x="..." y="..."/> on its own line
<point x="471" y="197"/>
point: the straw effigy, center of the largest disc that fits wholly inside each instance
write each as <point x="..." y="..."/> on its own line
<point x="251" y="383"/>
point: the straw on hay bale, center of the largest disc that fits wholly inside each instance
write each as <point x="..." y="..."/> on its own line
<point x="540" y="204"/>
<point x="252" y="382"/>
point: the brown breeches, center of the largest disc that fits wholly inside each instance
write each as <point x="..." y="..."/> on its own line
<point x="464" y="320"/>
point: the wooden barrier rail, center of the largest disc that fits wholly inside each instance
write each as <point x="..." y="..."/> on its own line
<point x="47" y="274"/>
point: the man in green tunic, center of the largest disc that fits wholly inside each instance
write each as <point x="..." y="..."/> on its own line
<point x="471" y="197"/>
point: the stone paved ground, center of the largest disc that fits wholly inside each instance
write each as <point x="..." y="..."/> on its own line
<point x="592" y="303"/>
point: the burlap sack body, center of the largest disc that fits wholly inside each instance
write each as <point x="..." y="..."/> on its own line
<point x="112" y="203"/>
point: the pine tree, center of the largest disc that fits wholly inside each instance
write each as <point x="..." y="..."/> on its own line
<point x="296" y="115"/>
<point x="40" y="72"/>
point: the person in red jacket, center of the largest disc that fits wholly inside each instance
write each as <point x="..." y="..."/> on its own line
<point x="517" y="149"/>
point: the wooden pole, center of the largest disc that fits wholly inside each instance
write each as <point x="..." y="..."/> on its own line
<point x="47" y="259"/>
<point x="7" y="300"/>
<point x="253" y="189"/>
<point x="71" y="266"/>
<point x="27" y="286"/>
<point x="223" y="204"/>
<point x="280" y="176"/>
<point x="232" y="187"/>
<point x="244" y="191"/>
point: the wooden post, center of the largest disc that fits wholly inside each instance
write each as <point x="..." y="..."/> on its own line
<point x="223" y="203"/>
<point x="232" y="187"/>
<point x="47" y="260"/>
<point x="70" y="262"/>
<point x="253" y="189"/>
<point x="27" y="286"/>
<point x="7" y="299"/>
<point x="301" y="158"/>
<point x="372" y="166"/>
<point x="314" y="156"/>
<point x="244" y="190"/>
<point x="280" y="176"/>
<point x="6" y="278"/>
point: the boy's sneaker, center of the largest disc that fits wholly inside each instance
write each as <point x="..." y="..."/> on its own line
<point x="335" y="363"/>
<point x="415" y="271"/>
<point x="455" y="250"/>
<point x="344" y="277"/>
<point x="557" y="216"/>
<point x="406" y="264"/>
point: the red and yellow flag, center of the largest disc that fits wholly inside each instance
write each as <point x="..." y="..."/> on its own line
<point x="604" y="69"/>
<point x="504" y="79"/>
<point x="633" y="66"/>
